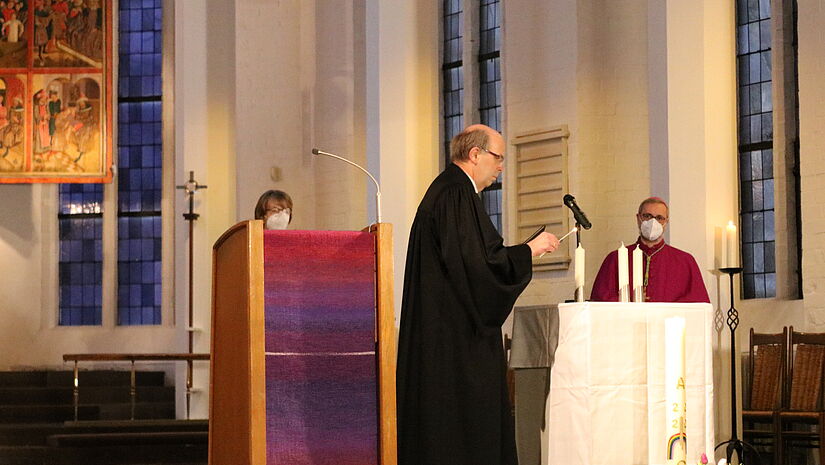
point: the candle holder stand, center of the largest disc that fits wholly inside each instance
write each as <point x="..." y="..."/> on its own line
<point x="734" y="444"/>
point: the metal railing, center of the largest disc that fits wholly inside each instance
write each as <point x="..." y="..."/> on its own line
<point x="132" y="358"/>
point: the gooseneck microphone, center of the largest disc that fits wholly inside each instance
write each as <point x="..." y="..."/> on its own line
<point x="377" y="187"/>
<point x="578" y="214"/>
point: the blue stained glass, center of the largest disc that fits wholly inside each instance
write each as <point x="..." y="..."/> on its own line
<point x="80" y="263"/>
<point x="134" y="87"/>
<point x="765" y="65"/>
<point x="147" y="293"/>
<point x="123" y="26"/>
<point x="147" y="85"/>
<point x="135" y="20"/>
<point x="148" y="20"/>
<point x="134" y="134"/>
<point x="754" y="67"/>
<point x="146" y="252"/>
<point x="134" y="294"/>
<point x="147" y="274"/>
<point x="134" y="40"/>
<point x="140" y="164"/>
<point x="134" y="179"/>
<point x="770" y="234"/>
<point x="759" y="285"/>
<point x="755" y="125"/>
<point x="134" y="66"/>
<point x="145" y="229"/>
<point x="148" y="313"/>
<point x="770" y="284"/>
<point x="147" y="179"/>
<point x="134" y="249"/>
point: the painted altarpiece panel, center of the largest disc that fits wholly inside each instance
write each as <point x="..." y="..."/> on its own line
<point x="55" y="91"/>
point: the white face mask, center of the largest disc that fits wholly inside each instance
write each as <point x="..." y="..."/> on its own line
<point x="278" y="220"/>
<point x="651" y="229"/>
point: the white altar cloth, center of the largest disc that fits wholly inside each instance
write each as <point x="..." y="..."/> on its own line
<point x="607" y="396"/>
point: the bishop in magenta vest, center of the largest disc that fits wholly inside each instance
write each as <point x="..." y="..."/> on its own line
<point x="670" y="274"/>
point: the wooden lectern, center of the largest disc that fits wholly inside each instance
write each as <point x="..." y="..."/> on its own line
<point x="303" y="347"/>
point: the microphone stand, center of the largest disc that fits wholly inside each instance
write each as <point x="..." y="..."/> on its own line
<point x="578" y="234"/>
<point x="377" y="187"/>
<point x="579" y="294"/>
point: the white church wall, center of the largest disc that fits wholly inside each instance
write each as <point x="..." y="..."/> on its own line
<point x="30" y="337"/>
<point x="588" y="73"/>
<point x="539" y="66"/>
<point x="20" y="249"/>
<point x="402" y="85"/>
<point x="274" y="75"/>
<point x="337" y="117"/>
<point x="701" y="153"/>
<point x="204" y="142"/>
<point x="613" y="117"/>
<point x="812" y="163"/>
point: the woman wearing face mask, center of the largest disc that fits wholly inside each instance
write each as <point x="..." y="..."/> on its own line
<point x="670" y="274"/>
<point x="275" y="208"/>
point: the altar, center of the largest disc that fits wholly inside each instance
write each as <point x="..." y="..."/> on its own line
<point x="606" y="402"/>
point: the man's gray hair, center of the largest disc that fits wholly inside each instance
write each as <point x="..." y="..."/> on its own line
<point x="650" y="200"/>
<point x="464" y="141"/>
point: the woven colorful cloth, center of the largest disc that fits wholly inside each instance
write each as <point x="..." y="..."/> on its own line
<point x="321" y="401"/>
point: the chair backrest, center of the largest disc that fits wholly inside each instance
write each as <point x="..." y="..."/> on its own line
<point x="768" y="356"/>
<point x="807" y="365"/>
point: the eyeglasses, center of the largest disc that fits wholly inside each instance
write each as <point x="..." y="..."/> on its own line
<point x="499" y="157"/>
<point x="648" y="216"/>
<point x="277" y="209"/>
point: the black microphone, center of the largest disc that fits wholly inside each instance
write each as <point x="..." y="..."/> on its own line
<point x="578" y="214"/>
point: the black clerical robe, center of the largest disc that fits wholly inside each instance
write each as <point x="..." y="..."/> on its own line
<point x="460" y="284"/>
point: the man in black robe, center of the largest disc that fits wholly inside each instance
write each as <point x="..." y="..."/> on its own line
<point x="460" y="284"/>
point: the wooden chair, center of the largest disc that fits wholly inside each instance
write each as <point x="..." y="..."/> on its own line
<point x="765" y="390"/>
<point x="803" y="421"/>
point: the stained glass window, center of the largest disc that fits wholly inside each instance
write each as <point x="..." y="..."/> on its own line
<point x="452" y="72"/>
<point x="139" y="157"/>
<point x="755" y="125"/>
<point x="489" y="67"/>
<point x="139" y="163"/>
<point x="80" y="265"/>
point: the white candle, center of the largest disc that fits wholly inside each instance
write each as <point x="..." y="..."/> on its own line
<point x="675" y="408"/>
<point x="623" y="273"/>
<point x="638" y="279"/>
<point x="579" y="273"/>
<point x="731" y="241"/>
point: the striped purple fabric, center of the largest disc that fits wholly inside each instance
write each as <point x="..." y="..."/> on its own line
<point x="321" y="401"/>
